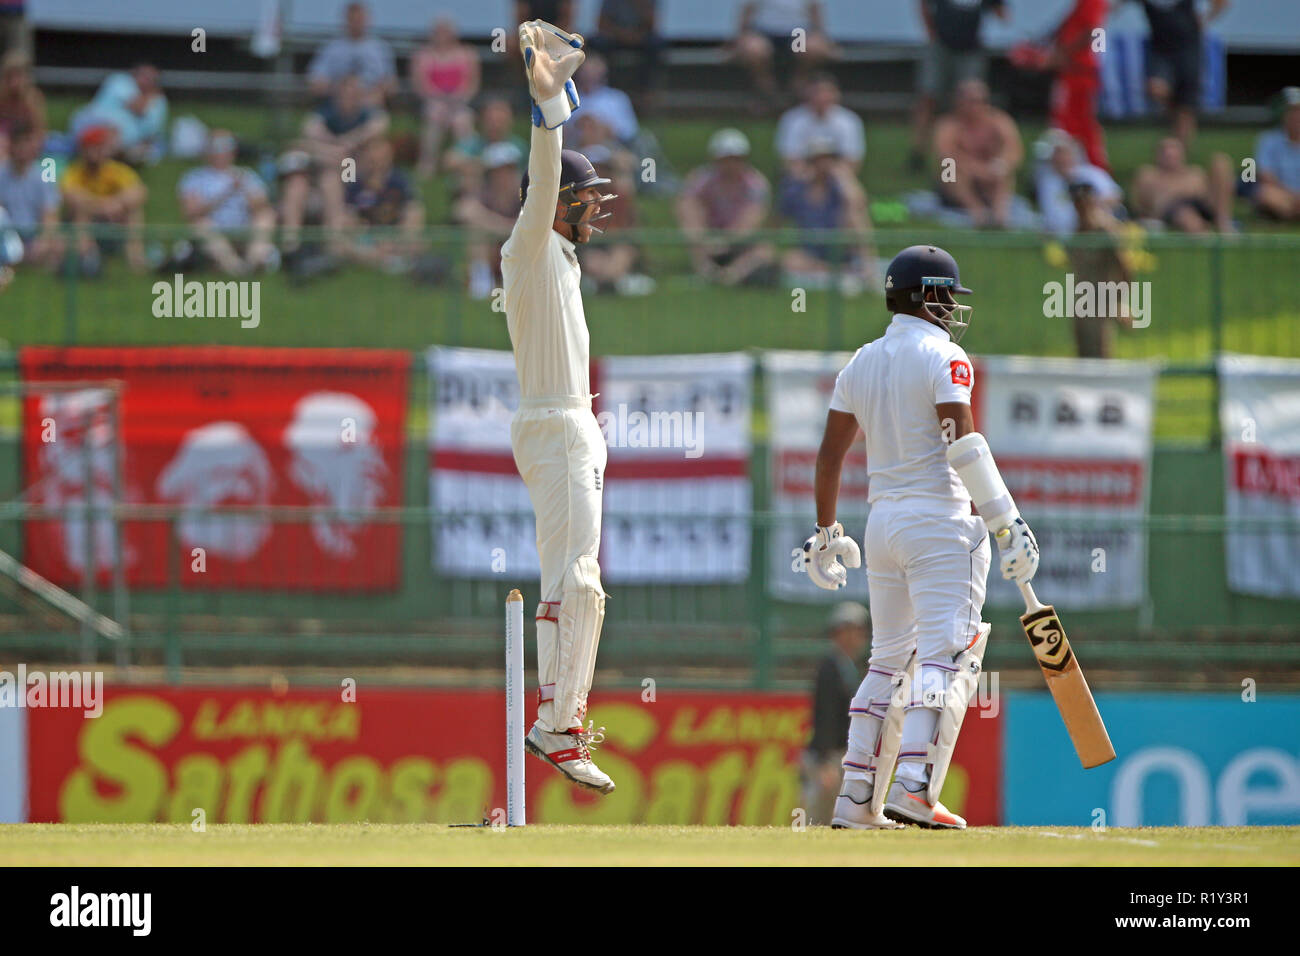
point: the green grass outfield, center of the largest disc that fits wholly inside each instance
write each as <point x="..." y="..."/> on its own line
<point x="363" y="844"/>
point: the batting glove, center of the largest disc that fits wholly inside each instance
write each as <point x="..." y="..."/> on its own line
<point x="550" y="58"/>
<point x="820" y="554"/>
<point x="1019" y="551"/>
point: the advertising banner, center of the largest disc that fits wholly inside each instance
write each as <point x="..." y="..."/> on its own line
<point x="1072" y="438"/>
<point x="210" y="427"/>
<point x="1260" y="416"/>
<point x="1182" y="760"/>
<point x="799" y="387"/>
<point x="677" y="489"/>
<point x="429" y="755"/>
<point x="678" y="494"/>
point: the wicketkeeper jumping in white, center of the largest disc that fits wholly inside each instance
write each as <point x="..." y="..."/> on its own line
<point x="927" y="552"/>
<point x="558" y="446"/>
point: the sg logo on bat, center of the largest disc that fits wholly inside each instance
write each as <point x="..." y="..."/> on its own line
<point x="1048" y="639"/>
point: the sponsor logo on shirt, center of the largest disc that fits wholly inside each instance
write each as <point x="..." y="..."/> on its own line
<point x="960" y="372"/>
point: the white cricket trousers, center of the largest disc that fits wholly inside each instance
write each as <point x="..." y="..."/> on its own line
<point x="927" y="573"/>
<point x="561" y="456"/>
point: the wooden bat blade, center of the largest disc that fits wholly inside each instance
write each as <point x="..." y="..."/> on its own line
<point x="1069" y="688"/>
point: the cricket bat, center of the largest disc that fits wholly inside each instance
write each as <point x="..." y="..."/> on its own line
<point x="1065" y="680"/>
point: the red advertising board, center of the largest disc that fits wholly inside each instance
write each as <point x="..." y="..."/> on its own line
<point x="158" y="754"/>
<point x="219" y="426"/>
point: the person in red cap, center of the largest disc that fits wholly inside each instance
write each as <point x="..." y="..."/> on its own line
<point x="99" y="190"/>
<point x="1078" y="78"/>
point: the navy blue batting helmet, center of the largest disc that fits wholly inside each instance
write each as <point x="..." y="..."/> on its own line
<point x="576" y="172"/>
<point x="920" y="268"/>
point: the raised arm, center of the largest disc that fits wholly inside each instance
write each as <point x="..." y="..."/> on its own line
<point x="554" y="99"/>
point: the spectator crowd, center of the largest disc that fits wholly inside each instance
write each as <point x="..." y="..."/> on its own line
<point x="349" y="171"/>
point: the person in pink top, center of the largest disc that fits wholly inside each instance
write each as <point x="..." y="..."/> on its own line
<point x="445" y="74"/>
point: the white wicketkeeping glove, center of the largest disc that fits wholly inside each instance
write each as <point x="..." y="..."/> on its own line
<point x="551" y="56"/>
<point x="1019" y="551"/>
<point x="821" y="551"/>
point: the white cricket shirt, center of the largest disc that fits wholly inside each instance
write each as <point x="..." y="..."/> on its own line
<point x="891" y="386"/>
<point x="548" y="328"/>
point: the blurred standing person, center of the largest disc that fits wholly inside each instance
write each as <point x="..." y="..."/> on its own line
<point x="555" y="12"/>
<point x="1078" y="78"/>
<point x="21" y="103"/>
<point x="953" y="54"/>
<point x="445" y="75"/>
<point x="358" y="54"/>
<point x="765" y="44"/>
<point x="839" y="672"/>
<point x="628" y="28"/>
<point x="1174" y="58"/>
<point x="558" y="446"/>
<point x="727" y="196"/>
<point x="1097" y="263"/>
<point x="820" y="116"/>
<point x="14" y="33"/>
<point x="134" y="105"/>
<point x="984" y="144"/>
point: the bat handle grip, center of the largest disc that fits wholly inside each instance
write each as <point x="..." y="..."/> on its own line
<point x="1032" y="603"/>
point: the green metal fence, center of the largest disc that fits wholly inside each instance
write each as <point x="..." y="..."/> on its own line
<point x="1207" y="295"/>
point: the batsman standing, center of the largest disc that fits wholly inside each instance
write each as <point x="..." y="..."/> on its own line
<point x="927" y="550"/>
<point x="558" y="447"/>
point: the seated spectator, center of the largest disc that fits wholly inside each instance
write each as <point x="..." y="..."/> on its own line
<point x="134" y="106"/>
<point x="1278" y="156"/>
<point x="334" y="135"/>
<point x="222" y="197"/>
<point x="445" y="75"/>
<point x="727" y="196"/>
<point x="496" y="121"/>
<point x="1182" y="196"/>
<point x="1062" y="163"/>
<point x="21" y="103"/>
<point x="489" y="209"/>
<point x="356" y="54"/>
<point x="31" y="202"/>
<point x="953" y="52"/>
<point x="384" y="215"/>
<point x="765" y="44"/>
<point x="824" y="195"/>
<point x="985" y="148"/>
<point x="820" y="116"/>
<point x="614" y="263"/>
<point x="628" y="28"/>
<point x="612" y="107"/>
<point x="98" y="189"/>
